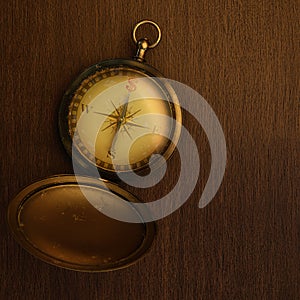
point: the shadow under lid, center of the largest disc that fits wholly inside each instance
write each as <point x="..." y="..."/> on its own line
<point x="53" y="220"/>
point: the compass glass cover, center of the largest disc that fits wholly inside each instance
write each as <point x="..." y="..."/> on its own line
<point x="118" y="117"/>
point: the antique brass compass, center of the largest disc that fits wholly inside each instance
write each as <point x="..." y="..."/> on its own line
<point x="114" y="117"/>
<point x="113" y="113"/>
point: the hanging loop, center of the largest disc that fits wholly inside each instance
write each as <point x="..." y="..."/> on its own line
<point x="151" y="23"/>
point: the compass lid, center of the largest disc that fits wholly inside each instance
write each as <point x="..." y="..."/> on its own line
<point x="53" y="220"/>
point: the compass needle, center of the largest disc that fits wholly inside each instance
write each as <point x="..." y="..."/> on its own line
<point x="125" y="107"/>
<point x="131" y="123"/>
<point x="107" y="115"/>
<point x="112" y="124"/>
<point x="126" y="129"/>
<point x="115" y="108"/>
<point x="133" y="114"/>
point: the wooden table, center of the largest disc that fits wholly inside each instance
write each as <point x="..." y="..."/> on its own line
<point x="242" y="58"/>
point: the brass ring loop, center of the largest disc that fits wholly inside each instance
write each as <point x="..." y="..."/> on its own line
<point x="151" y="23"/>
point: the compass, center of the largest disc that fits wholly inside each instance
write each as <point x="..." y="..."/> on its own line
<point x="116" y="116"/>
<point x="118" y="113"/>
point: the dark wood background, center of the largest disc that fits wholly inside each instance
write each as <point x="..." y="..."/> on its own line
<point x="241" y="57"/>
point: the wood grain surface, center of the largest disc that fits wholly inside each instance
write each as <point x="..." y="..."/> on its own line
<point x="243" y="58"/>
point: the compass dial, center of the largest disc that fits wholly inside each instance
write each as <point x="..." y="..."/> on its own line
<point x="118" y="117"/>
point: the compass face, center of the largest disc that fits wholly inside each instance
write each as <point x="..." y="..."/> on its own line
<point x="119" y="116"/>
